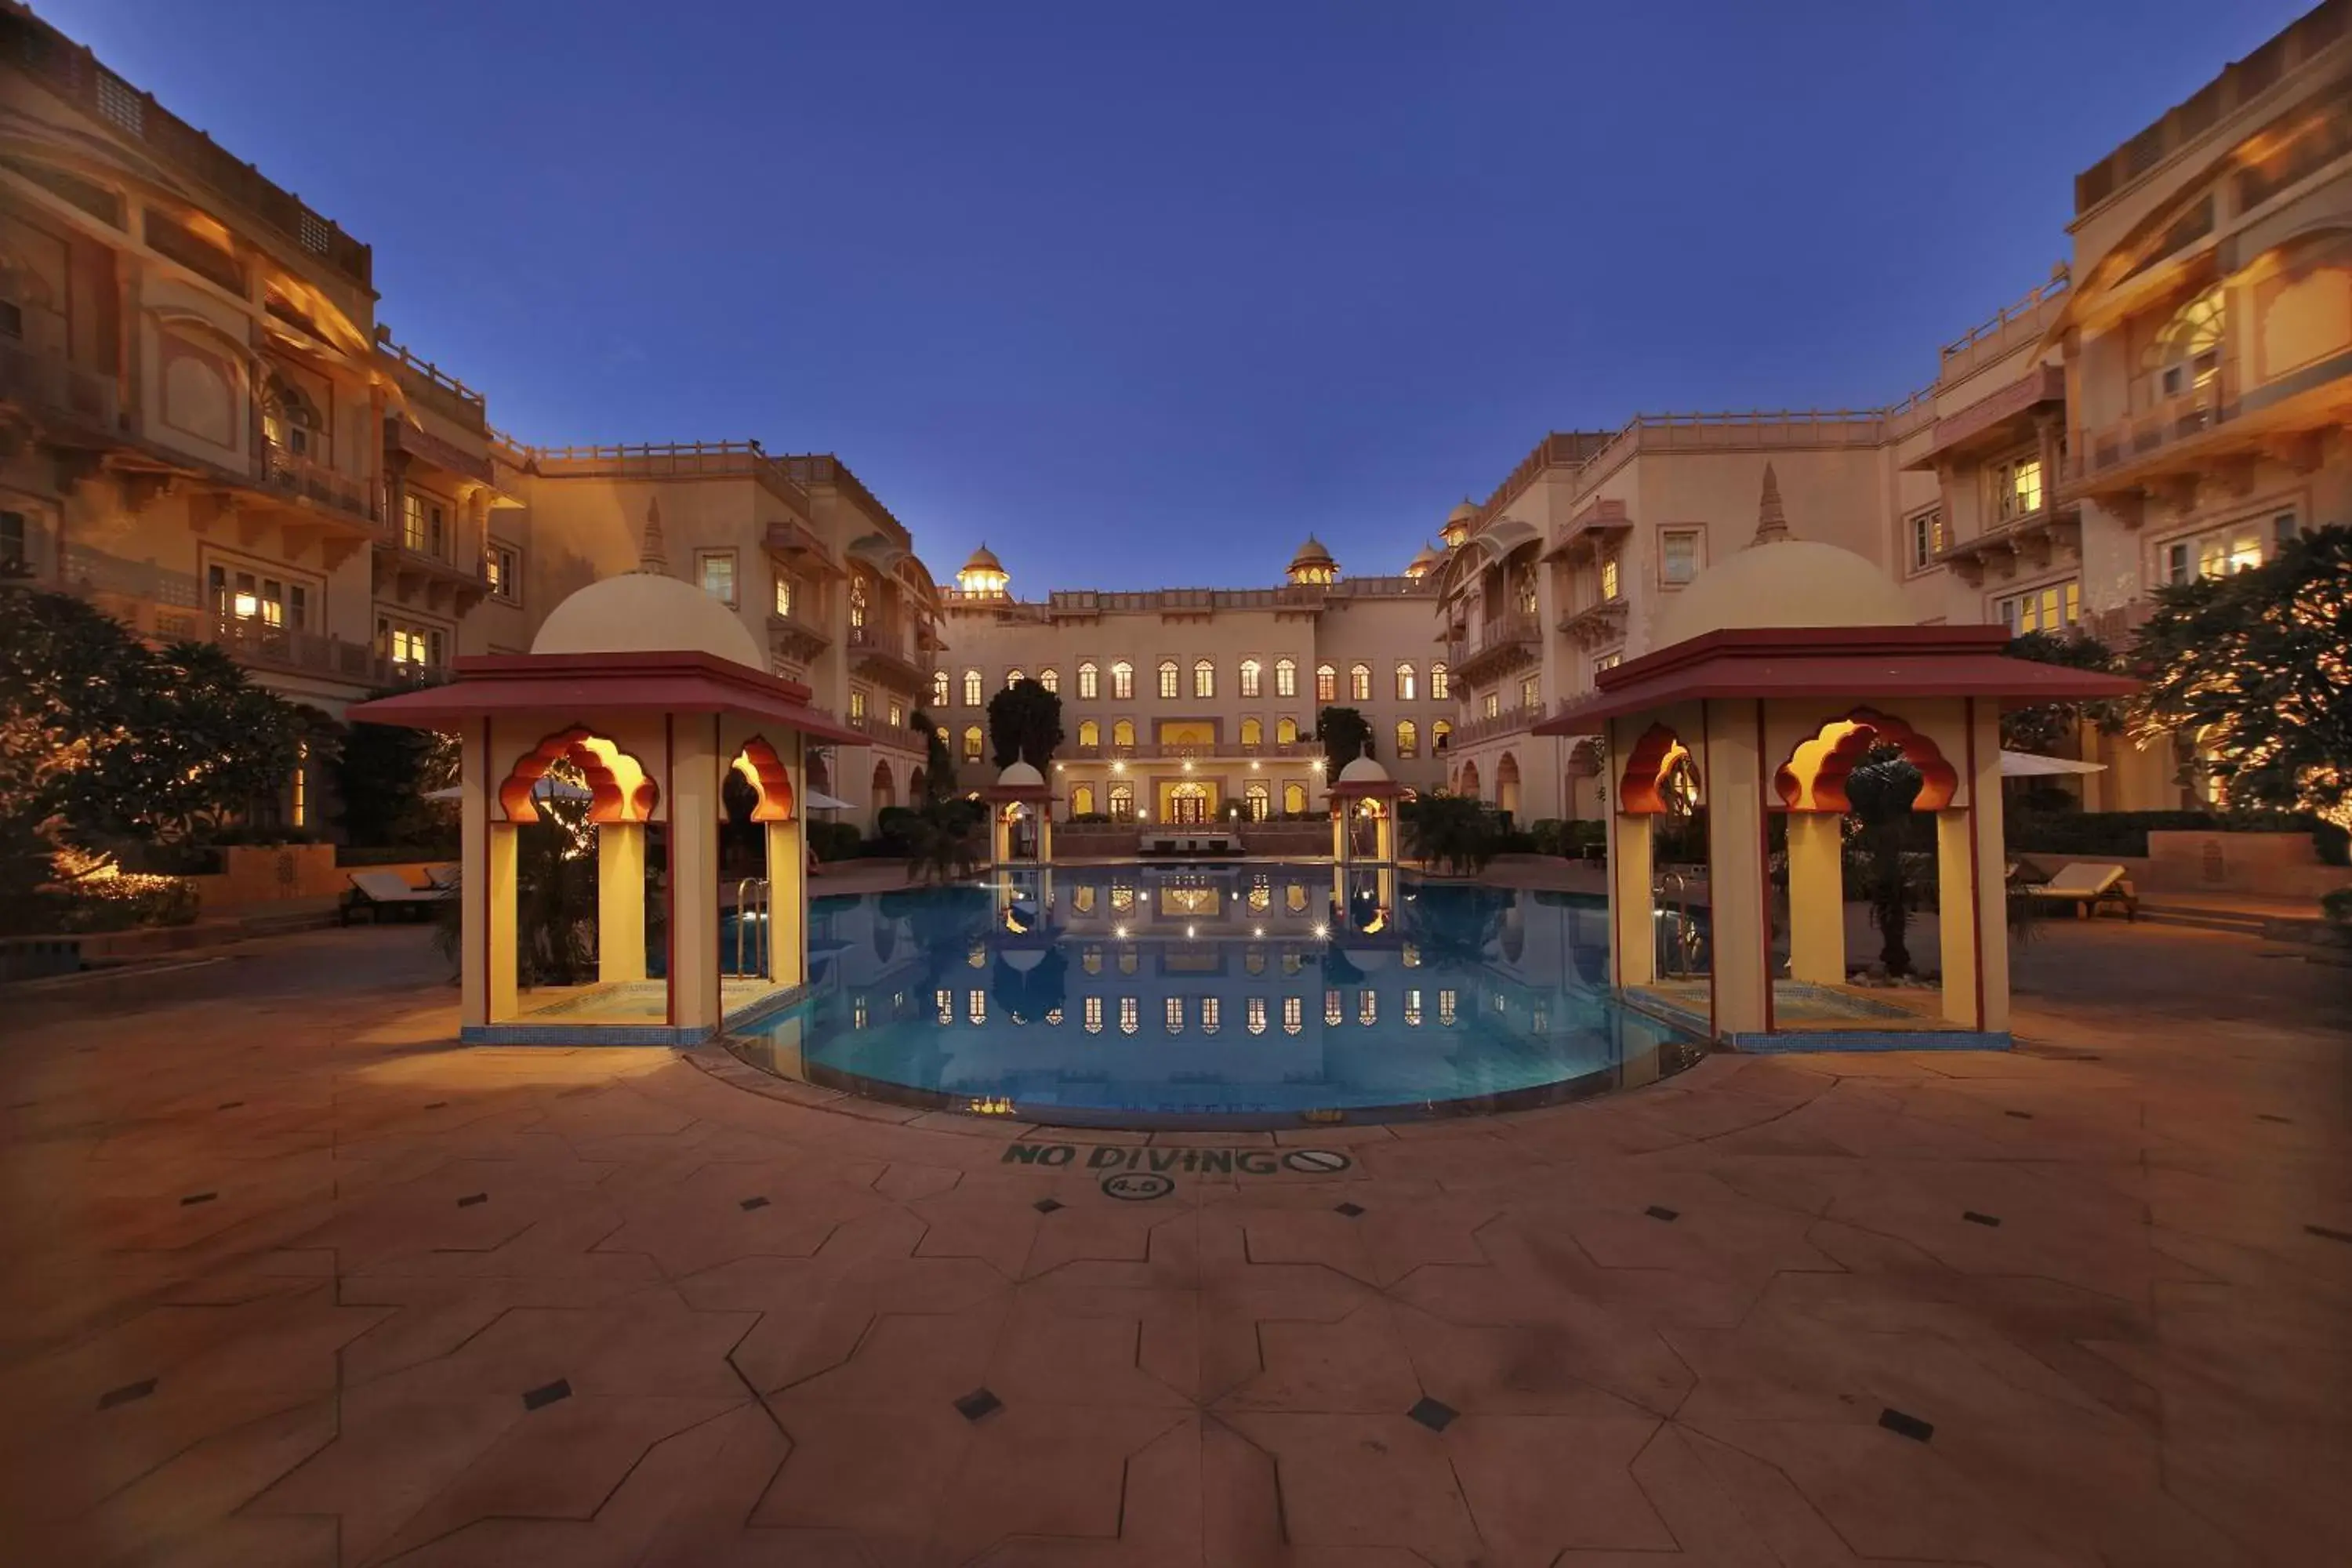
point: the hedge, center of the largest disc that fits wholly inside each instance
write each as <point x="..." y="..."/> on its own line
<point x="2125" y="832"/>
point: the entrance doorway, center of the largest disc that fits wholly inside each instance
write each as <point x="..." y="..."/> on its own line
<point x="1189" y="806"/>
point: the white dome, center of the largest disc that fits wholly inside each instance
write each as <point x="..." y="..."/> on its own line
<point x="642" y="612"/>
<point x="1020" y="775"/>
<point x="1363" y="770"/>
<point x="1783" y="583"/>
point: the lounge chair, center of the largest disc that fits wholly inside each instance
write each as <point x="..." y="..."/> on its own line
<point x="376" y="891"/>
<point x="443" y="875"/>
<point x="2087" y="885"/>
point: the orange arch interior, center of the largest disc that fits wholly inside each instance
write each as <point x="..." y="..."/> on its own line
<point x="619" y="789"/>
<point x="765" y="773"/>
<point x="1813" y="778"/>
<point x="1641" y="792"/>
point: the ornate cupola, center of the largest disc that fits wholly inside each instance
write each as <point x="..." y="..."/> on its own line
<point x="983" y="575"/>
<point x="1313" y="566"/>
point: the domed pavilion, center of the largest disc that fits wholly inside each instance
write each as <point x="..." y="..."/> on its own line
<point x="1768" y="680"/>
<point x="650" y="692"/>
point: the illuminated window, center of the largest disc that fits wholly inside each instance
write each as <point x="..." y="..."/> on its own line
<point x="1609" y="577"/>
<point x="1253" y="734"/>
<point x="1257" y="800"/>
<point x="1530" y="690"/>
<point x="412" y="522"/>
<point x="1122" y="681"/>
<point x="504" y="564"/>
<point x="1088" y="687"/>
<point x="1407" y="739"/>
<point x="1441" y="734"/>
<point x="1335" y="1009"/>
<point x="1253" y="1016"/>
<point x="1122" y="806"/>
<point x="1082" y="804"/>
<point x="897" y="715"/>
<point x="2016" y="488"/>
<point x="1091" y="960"/>
<point x="940" y="685"/>
<point x="856" y="602"/>
<point x="1405" y="683"/>
<point x="1412" y="1009"/>
<point x="1360" y="683"/>
<point x="1524" y="594"/>
<point x="944" y="1000"/>
<point x="1051" y="679"/>
<point x="2224" y="550"/>
<point x="1013" y="677"/>
<point x="1204" y="677"/>
<point x="1294" y="799"/>
<point x="1490" y="705"/>
<point x="1677" y="556"/>
<point x="1294" y="1015"/>
<point x="298" y="806"/>
<point x="973" y="743"/>
<point x="1285" y="731"/>
<point x="857" y="707"/>
<point x="1130" y="1016"/>
<point x="1251" y="673"/>
<point x="1212" y="1014"/>
<point x="715" y="570"/>
<point x="2052" y="609"/>
<point x="1438" y="688"/>
<point x="1927" y="537"/>
<point x="2186" y="356"/>
<point x="1367" y="1006"/>
<point x="1093" y="1014"/>
<point x="1122" y="733"/>
<point x="1089" y="734"/>
<point x="1447" y="1006"/>
<point x="1326" y="684"/>
<point x="972" y="689"/>
<point x="1286" y="678"/>
<point x="1082" y="898"/>
<point x="1173" y="1014"/>
<point x="1167" y="678"/>
<point x="975" y="1006"/>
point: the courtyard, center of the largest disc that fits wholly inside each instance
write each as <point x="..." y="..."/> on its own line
<point x="291" y="1279"/>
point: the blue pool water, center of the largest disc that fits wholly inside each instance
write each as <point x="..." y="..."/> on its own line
<point x="1247" y="994"/>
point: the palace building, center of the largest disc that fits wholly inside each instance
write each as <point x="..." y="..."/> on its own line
<point x="205" y="428"/>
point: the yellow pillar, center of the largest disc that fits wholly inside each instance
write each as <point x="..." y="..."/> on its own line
<point x="620" y="901"/>
<point x="1986" y="935"/>
<point x="787" y="904"/>
<point x="1384" y="836"/>
<point x="1955" y="915"/>
<point x="1339" y="835"/>
<point x="499" y="949"/>
<point x="1731" y="776"/>
<point x="694" y="810"/>
<point x="1045" y="832"/>
<point x="1634" y="921"/>
<point x="999" y="835"/>
<point x="1816" y="897"/>
<point x="486" y="892"/>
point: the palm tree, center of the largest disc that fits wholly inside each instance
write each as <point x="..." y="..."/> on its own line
<point x="940" y="847"/>
<point x="1882" y="789"/>
<point x="1456" y="831"/>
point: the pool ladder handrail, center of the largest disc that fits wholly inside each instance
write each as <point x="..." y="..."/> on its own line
<point x="1683" y="949"/>
<point x="749" y="893"/>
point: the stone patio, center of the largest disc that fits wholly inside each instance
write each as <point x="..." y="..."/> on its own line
<point x="289" y="1279"/>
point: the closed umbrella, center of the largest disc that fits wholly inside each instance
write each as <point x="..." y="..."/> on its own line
<point x="2033" y="766"/>
<point x="547" y="787"/>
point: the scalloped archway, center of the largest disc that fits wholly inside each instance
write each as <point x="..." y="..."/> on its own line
<point x="764" y="771"/>
<point x="1642" y="791"/>
<point x="1813" y="778"/>
<point x="619" y="789"/>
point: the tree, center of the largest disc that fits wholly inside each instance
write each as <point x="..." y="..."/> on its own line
<point x="1458" y="832"/>
<point x="1345" y="735"/>
<point x="2049" y="728"/>
<point x="1882" y="789"/>
<point x="938" y="762"/>
<point x="938" y="839"/>
<point x="2257" y="667"/>
<point x="381" y="776"/>
<point x="1024" y="723"/>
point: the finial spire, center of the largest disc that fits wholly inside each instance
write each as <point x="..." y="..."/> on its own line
<point x="650" y="557"/>
<point x="1771" y="523"/>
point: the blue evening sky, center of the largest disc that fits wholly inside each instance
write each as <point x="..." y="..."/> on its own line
<point x="1143" y="294"/>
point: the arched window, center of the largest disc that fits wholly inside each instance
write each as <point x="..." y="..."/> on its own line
<point x="1253" y="734"/>
<point x="1437" y="690"/>
<point x="290" y="420"/>
<point x="1122" y="733"/>
<point x="1326" y="684"/>
<point x="1286" y="678"/>
<point x="1405" y="683"/>
<point x="1082" y="803"/>
<point x="1407" y="738"/>
<point x="1294" y="801"/>
<point x="1257" y="799"/>
<point x="972" y="689"/>
<point x="1285" y="731"/>
<point x="1360" y="683"/>
<point x="1204" y="677"/>
<point x="1122" y="803"/>
<point x="1122" y="681"/>
<point x="1087" y="690"/>
<point x="1013" y="677"/>
<point x="1167" y="678"/>
<point x="973" y="741"/>
<point x="2187" y="355"/>
<point x="1089" y="734"/>
<point x="1251" y="671"/>
<point x="856" y="602"/>
<point x="940" y="683"/>
<point x="1439" y="735"/>
<point x="1051" y="679"/>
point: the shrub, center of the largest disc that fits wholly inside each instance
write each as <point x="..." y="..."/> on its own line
<point x="2337" y="905"/>
<point x="891" y="824"/>
<point x="834" y="840"/>
<point x="1548" y="835"/>
<point x="2040" y="828"/>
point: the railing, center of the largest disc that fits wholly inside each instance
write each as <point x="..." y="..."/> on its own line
<point x="55" y="382"/>
<point x="2238" y="86"/>
<point x="394" y="531"/>
<point x="2177" y="419"/>
<point x="1196" y="751"/>
<point x="437" y="387"/>
<point x="1162" y="601"/>
<point x="1500" y="633"/>
<point x="2030" y="314"/>
<point x="74" y="74"/>
<point x="281" y="468"/>
<point x="793" y="623"/>
<point x="674" y="459"/>
<point x="164" y="606"/>
<point x="1504" y="721"/>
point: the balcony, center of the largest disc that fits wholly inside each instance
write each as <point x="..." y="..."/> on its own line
<point x="2031" y="540"/>
<point x="1597" y="625"/>
<point x="794" y="635"/>
<point x="1504" y="644"/>
<point x="413" y="572"/>
<point x="70" y="399"/>
<point x="2125" y="455"/>
<point x="286" y="473"/>
<point x="879" y="728"/>
<point x="437" y="389"/>
<point x="1189" y="750"/>
<point x="1504" y="721"/>
<point x="883" y="653"/>
<point x="1591" y="531"/>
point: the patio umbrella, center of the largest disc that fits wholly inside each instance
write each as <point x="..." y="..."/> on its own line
<point x="817" y="800"/>
<point x="547" y="787"/>
<point x="2032" y="765"/>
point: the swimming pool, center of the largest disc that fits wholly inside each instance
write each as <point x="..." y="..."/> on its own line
<point x="1251" y="994"/>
